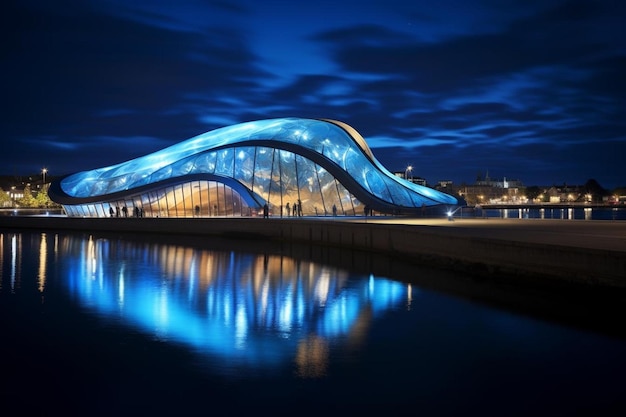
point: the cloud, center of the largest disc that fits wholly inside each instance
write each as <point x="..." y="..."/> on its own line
<point x="468" y="85"/>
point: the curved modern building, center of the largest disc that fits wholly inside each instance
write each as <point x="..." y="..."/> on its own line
<point x="295" y="166"/>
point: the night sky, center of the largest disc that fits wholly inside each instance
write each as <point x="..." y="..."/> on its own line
<point x="527" y="90"/>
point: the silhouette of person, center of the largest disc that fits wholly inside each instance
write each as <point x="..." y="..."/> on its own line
<point x="334" y="210"/>
<point x="111" y="211"/>
<point x="266" y="211"/>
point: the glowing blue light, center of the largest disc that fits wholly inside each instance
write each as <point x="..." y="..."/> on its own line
<point x="261" y="327"/>
<point x="329" y="144"/>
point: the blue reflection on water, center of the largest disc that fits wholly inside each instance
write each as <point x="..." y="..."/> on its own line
<point x="275" y="335"/>
<point x="257" y="310"/>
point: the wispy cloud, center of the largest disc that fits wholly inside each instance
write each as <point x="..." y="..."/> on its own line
<point x="454" y="87"/>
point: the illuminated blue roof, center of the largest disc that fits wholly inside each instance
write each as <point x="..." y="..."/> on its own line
<point x="332" y="146"/>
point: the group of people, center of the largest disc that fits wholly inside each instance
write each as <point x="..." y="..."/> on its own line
<point x="123" y="212"/>
<point x="291" y="210"/>
<point x="295" y="210"/>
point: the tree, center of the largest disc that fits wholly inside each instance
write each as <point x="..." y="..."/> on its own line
<point x="28" y="200"/>
<point x="42" y="200"/>
<point x="619" y="191"/>
<point x="533" y="192"/>
<point x="5" y="199"/>
<point x="594" y="189"/>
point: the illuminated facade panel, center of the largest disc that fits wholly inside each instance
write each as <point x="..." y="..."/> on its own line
<point x="321" y="167"/>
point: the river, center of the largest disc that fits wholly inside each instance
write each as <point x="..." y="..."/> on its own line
<point x="110" y="324"/>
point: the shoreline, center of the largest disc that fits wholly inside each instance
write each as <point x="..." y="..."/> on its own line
<point x="429" y="253"/>
<point x="550" y="251"/>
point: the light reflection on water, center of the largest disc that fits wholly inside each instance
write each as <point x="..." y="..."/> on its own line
<point x="277" y="333"/>
<point x="252" y="310"/>
<point x="557" y="212"/>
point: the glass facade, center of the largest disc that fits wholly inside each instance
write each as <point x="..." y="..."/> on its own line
<point x="295" y="166"/>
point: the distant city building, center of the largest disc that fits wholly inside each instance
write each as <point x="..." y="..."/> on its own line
<point x="487" y="190"/>
<point x="318" y="166"/>
<point x="497" y="183"/>
<point x="419" y="181"/>
<point x="565" y="194"/>
<point x="444" y="184"/>
<point x="415" y="180"/>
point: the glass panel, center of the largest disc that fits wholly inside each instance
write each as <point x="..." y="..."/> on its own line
<point x="317" y="135"/>
<point x="225" y="161"/>
<point x="330" y="195"/>
<point x="376" y="184"/>
<point x="228" y="201"/>
<point x="209" y="198"/>
<point x="205" y="207"/>
<point x="145" y="205"/>
<point x="418" y="201"/>
<point x="275" y="188"/>
<point x="108" y="210"/>
<point x="337" y="151"/>
<point x="240" y="205"/>
<point x="206" y="162"/>
<point x="316" y="194"/>
<point x="399" y="194"/>
<point x="170" y="205"/>
<point x="162" y="174"/>
<point x="219" y="188"/>
<point x="179" y="201"/>
<point x="153" y="198"/>
<point x="244" y="165"/>
<point x="348" y="203"/>
<point x="99" y="210"/>
<point x="354" y="164"/>
<point x="183" y="167"/>
<point x="187" y="200"/>
<point x="263" y="167"/>
<point x="162" y="202"/>
<point x="127" y="209"/>
<point x="308" y="189"/>
<point x="213" y="198"/>
<point x="194" y="198"/>
<point x="289" y="184"/>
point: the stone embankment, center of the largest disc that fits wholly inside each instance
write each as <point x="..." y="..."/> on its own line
<point x="556" y="251"/>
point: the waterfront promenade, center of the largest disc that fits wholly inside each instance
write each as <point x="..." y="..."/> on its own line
<point x="550" y="251"/>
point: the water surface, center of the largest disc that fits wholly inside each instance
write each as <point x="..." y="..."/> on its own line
<point x="122" y="325"/>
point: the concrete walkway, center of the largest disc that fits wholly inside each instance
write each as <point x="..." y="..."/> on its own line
<point x="589" y="234"/>
<point x="588" y="252"/>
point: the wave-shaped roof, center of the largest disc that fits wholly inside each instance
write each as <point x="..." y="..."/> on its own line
<point x="334" y="145"/>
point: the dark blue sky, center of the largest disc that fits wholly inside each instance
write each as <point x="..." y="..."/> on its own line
<point x="528" y="90"/>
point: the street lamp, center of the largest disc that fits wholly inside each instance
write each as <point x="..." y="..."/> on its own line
<point x="406" y="172"/>
<point x="43" y="171"/>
